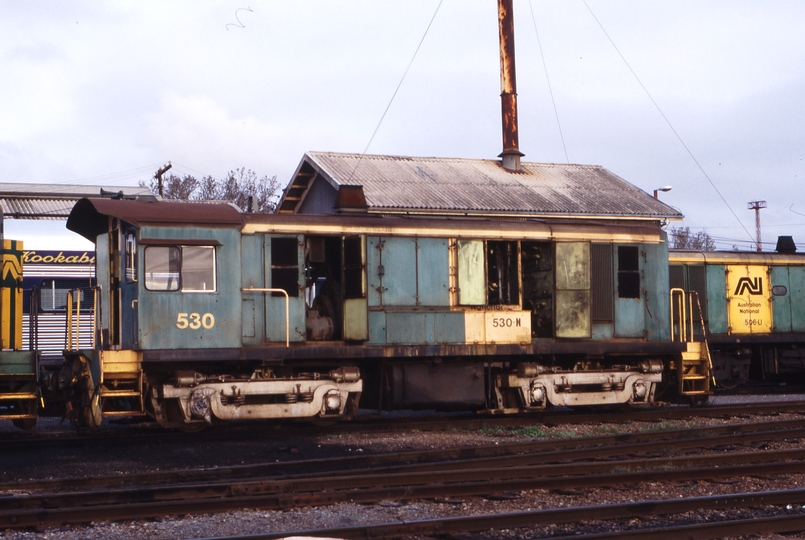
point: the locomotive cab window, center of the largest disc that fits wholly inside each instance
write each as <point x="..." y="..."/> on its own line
<point x="185" y="268"/>
<point x="198" y="268"/>
<point x="628" y="272"/>
<point x="285" y="265"/>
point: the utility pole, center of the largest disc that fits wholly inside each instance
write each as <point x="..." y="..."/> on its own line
<point x="158" y="176"/>
<point x="757" y="206"/>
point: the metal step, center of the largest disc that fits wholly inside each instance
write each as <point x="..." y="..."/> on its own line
<point x="120" y="393"/>
<point x="18" y="395"/>
<point x="123" y="413"/>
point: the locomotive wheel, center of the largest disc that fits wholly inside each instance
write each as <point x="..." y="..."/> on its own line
<point x="86" y="402"/>
<point x="729" y="384"/>
<point x="26" y="423"/>
<point x="175" y="419"/>
<point x="28" y="407"/>
<point x="91" y="415"/>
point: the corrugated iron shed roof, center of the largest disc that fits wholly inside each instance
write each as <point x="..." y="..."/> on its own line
<point x="52" y="201"/>
<point x="477" y="186"/>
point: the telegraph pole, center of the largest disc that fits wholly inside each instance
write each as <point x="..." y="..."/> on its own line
<point x="757" y="206"/>
<point x="158" y="176"/>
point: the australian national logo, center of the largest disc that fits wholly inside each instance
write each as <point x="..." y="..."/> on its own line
<point x="747" y="285"/>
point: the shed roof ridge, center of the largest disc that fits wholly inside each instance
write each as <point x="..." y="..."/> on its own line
<point x="486" y="161"/>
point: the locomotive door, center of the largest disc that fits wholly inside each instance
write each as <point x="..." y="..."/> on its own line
<point x="336" y="288"/>
<point x="630" y="305"/>
<point x="285" y="269"/>
<point x="356" y="318"/>
<point x="123" y="330"/>
<point x="572" y="279"/>
<point x="272" y="262"/>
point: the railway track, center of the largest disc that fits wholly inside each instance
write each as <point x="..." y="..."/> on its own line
<point x="146" y="433"/>
<point x="436" y="474"/>
<point x="767" y="524"/>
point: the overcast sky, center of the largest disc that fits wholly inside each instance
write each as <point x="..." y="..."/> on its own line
<point x="106" y="92"/>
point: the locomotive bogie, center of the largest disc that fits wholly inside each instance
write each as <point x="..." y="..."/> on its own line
<point x="310" y="395"/>
<point x="574" y="389"/>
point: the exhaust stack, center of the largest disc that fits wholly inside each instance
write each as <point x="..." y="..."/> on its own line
<point x="508" y="87"/>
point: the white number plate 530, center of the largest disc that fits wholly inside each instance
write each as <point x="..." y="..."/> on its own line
<point x="194" y="321"/>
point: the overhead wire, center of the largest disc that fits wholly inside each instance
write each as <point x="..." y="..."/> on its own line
<point x="115" y="177"/>
<point x="667" y="121"/>
<point x="547" y="78"/>
<point x="396" y="90"/>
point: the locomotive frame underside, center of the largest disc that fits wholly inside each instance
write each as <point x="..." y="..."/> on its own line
<point x="499" y="379"/>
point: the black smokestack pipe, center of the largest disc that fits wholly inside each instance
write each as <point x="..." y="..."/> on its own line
<point x="508" y="87"/>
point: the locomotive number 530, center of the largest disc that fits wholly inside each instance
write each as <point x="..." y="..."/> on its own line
<point x="194" y="321"/>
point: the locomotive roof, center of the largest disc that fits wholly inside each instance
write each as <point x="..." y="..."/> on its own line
<point x="453" y="227"/>
<point x="89" y="217"/>
<point x="429" y="185"/>
<point x="734" y="257"/>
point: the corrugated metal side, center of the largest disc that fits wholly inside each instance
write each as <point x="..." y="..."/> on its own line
<point x="603" y="283"/>
<point x="52" y="336"/>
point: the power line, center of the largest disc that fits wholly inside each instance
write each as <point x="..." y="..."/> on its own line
<point x="372" y="138"/>
<point x="114" y="177"/>
<point x="550" y="89"/>
<point x="667" y="121"/>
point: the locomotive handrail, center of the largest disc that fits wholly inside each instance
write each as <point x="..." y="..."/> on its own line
<point x="287" y="308"/>
<point x="33" y="319"/>
<point x="76" y="329"/>
<point x="680" y="294"/>
<point x="683" y="305"/>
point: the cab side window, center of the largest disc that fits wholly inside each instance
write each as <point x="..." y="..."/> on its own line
<point x="628" y="272"/>
<point x="180" y="268"/>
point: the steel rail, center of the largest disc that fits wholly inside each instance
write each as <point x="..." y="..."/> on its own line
<point x="557" y="477"/>
<point x="703" y="531"/>
<point x="23" y="441"/>
<point x="531" y="452"/>
<point x="518" y="520"/>
<point x="530" y="519"/>
<point x="55" y="509"/>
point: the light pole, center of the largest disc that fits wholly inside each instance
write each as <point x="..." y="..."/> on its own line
<point x="664" y="189"/>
